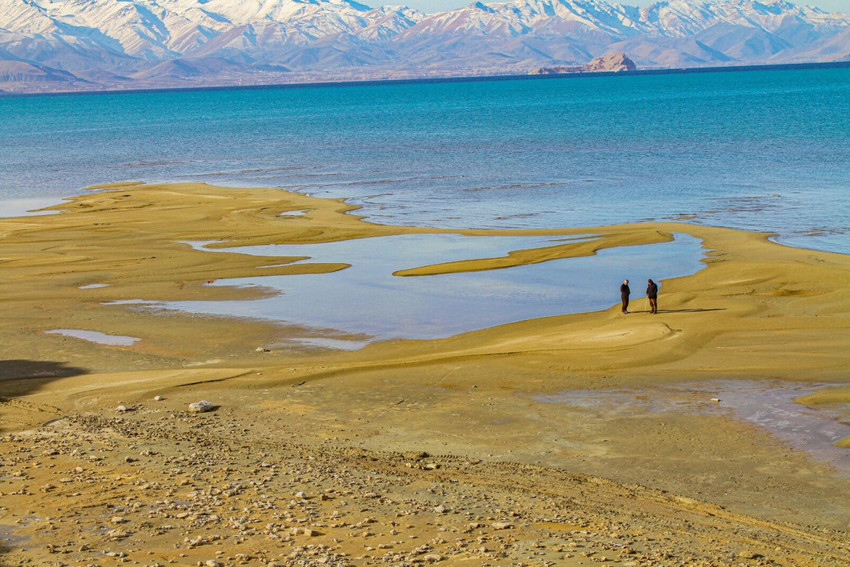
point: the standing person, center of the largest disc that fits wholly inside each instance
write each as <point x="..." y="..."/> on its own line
<point x="652" y="295"/>
<point x="624" y="295"/>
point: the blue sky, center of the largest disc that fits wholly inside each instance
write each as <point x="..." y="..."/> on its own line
<point x="430" y="6"/>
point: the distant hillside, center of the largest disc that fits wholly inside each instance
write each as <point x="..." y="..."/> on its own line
<point x="96" y="44"/>
<point x="616" y="62"/>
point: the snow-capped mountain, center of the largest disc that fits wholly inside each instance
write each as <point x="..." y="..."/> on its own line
<point x="138" y="43"/>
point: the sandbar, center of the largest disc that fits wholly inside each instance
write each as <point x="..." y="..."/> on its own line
<point x="405" y="451"/>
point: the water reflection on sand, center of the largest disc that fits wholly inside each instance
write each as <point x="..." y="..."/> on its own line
<point x="95" y="337"/>
<point x="766" y="403"/>
<point x="368" y="299"/>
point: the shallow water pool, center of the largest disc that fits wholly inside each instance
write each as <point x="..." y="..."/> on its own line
<point x="766" y="403"/>
<point x="367" y="299"/>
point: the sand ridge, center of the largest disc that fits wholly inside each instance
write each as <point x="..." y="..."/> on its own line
<point x="672" y="487"/>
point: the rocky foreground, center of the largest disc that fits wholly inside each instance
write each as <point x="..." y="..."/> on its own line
<point x="157" y="485"/>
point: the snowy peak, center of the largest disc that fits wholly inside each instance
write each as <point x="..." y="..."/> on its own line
<point x="680" y="18"/>
<point x="118" y="43"/>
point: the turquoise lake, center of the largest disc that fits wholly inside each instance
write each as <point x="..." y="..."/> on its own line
<point x="765" y="150"/>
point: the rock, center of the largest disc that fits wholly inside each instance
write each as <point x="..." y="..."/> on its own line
<point x="301" y="494"/>
<point x="441" y="509"/>
<point x="261" y="349"/>
<point x="117" y="534"/>
<point x="158" y="398"/>
<point x="122" y="409"/>
<point x="715" y="400"/>
<point x="200" y="407"/>
<point x="433" y="558"/>
<point x="118" y="520"/>
<point x="749" y="555"/>
<point x="212" y="563"/>
<point x="612" y="62"/>
<point x="501" y="525"/>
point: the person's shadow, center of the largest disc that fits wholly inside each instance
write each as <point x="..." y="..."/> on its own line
<point x="690" y="310"/>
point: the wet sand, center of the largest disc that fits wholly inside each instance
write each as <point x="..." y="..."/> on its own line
<point x="404" y="451"/>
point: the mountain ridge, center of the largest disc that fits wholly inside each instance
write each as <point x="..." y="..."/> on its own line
<point x="107" y="44"/>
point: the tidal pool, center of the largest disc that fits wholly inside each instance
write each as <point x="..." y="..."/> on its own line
<point x="10" y="208"/>
<point x="95" y="337"/>
<point x="766" y="403"/>
<point x="367" y="299"/>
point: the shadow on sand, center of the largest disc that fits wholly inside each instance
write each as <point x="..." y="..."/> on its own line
<point x="691" y="310"/>
<point x="21" y="377"/>
<point x="34" y="369"/>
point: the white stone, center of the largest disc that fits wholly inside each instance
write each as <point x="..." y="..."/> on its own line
<point x="202" y="406"/>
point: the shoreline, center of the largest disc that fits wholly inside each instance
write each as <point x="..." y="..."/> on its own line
<point x="676" y="482"/>
<point x="446" y="79"/>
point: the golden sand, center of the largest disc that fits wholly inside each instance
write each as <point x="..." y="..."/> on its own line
<point x="671" y="487"/>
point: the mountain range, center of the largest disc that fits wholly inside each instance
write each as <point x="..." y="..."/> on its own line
<point x="61" y="45"/>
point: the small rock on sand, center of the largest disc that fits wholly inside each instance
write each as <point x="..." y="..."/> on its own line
<point x="200" y="407"/>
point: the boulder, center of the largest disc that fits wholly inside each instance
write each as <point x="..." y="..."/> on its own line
<point x="200" y="407"/>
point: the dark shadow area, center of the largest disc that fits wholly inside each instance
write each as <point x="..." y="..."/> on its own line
<point x="21" y="377"/>
<point x="22" y="369"/>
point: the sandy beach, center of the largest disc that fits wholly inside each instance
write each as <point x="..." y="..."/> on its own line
<point x="585" y="439"/>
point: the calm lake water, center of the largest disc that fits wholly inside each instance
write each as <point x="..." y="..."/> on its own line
<point x="762" y="150"/>
<point x="366" y="302"/>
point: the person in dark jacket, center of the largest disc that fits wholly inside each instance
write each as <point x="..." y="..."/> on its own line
<point x="652" y="295"/>
<point x="624" y="295"/>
